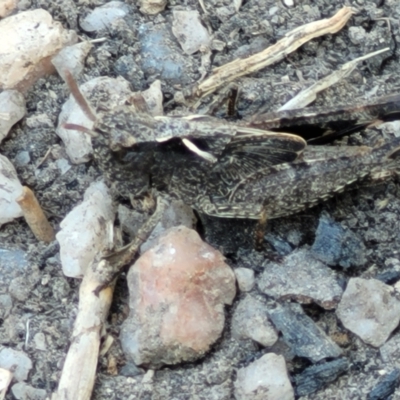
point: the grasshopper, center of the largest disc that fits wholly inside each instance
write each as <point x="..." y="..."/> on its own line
<point x="237" y="171"/>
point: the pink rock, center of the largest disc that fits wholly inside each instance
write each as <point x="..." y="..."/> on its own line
<point x="177" y="294"/>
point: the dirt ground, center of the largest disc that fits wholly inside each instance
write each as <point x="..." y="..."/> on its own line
<point x="47" y="300"/>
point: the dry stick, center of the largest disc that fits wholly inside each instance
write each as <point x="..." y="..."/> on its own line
<point x="292" y="41"/>
<point x="34" y="216"/>
<point x="95" y="296"/>
<point x="308" y="95"/>
<point x="5" y="379"/>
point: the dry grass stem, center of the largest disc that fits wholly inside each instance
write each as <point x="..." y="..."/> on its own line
<point x="95" y="296"/>
<point x="79" y="371"/>
<point x="289" y="43"/>
<point x="34" y="216"/>
<point x="307" y="96"/>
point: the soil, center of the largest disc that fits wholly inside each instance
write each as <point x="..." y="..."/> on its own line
<point x="46" y="301"/>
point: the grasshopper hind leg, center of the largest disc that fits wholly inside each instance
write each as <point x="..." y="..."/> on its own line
<point x="259" y="231"/>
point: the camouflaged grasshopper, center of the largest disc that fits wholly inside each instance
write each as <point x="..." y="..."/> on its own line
<point x="233" y="171"/>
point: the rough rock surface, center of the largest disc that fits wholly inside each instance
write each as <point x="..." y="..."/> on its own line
<point x="85" y="230"/>
<point x="265" y="378"/>
<point x="302" y="277"/>
<point x="12" y="109"/>
<point x="16" y="360"/>
<point x="178" y="290"/>
<point x="32" y="38"/>
<point x="370" y="309"/>
<point x="250" y="321"/>
<point x="10" y="190"/>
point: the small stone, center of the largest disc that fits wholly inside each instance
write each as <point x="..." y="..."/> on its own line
<point x="22" y="158"/>
<point x="160" y="56"/>
<point x="390" y="351"/>
<point x="39" y="120"/>
<point x="288" y="3"/>
<point x="301" y="334"/>
<point x="302" y="277"/>
<point x="20" y="288"/>
<point x="177" y="213"/>
<point x="282" y="247"/>
<point x="127" y="67"/>
<point x="189" y="31"/>
<point x="250" y="321"/>
<point x="23" y="391"/>
<point x="318" y="376"/>
<point x="40" y="341"/>
<point x="386" y="386"/>
<point x="152" y="7"/>
<point x="5" y="305"/>
<point x="72" y="59"/>
<point x="78" y="144"/>
<point x="5" y="379"/>
<point x="12" y="109"/>
<point x="357" y="35"/>
<point x="335" y="245"/>
<point x="102" y="17"/>
<point x="10" y="190"/>
<point x="131" y="220"/>
<point x="13" y="262"/>
<point x="154" y="99"/>
<point x="63" y="165"/>
<point x="265" y="378"/>
<point x="32" y="37"/>
<point x="177" y="290"/>
<point x="84" y="231"/>
<point x="7" y="7"/>
<point x="369" y="309"/>
<point x="16" y="361"/>
<point x="245" y="279"/>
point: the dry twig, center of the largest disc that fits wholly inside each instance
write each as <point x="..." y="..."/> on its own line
<point x="34" y="216"/>
<point x="307" y="96"/>
<point x="5" y="379"/>
<point x="95" y="296"/>
<point x="292" y="41"/>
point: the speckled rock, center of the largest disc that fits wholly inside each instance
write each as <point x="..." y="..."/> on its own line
<point x="12" y="109"/>
<point x="22" y="391"/>
<point x="189" y="31"/>
<point x="369" y="309"/>
<point x="16" y="359"/>
<point x="177" y="294"/>
<point x="245" y="278"/>
<point x="32" y="38"/>
<point x="250" y="321"/>
<point x="302" y="277"/>
<point x="84" y="232"/>
<point x="265" y="378"/>
<point x="10" y="190"/>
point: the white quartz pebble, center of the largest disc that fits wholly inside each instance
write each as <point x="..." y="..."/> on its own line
<point x="84" y="231"/>
<point x="10" y="190"/>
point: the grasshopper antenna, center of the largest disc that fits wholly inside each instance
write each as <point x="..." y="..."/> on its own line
<point x="78" y="96"/>
<point x="79" y="128"/>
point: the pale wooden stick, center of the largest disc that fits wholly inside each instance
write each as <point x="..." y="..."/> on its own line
<point x="79" y="371"/>
<point x="292" y="41"/>
<point x="34" y="216"/>
<point x="95" y="296"/>
<point x="5" y="379"/>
